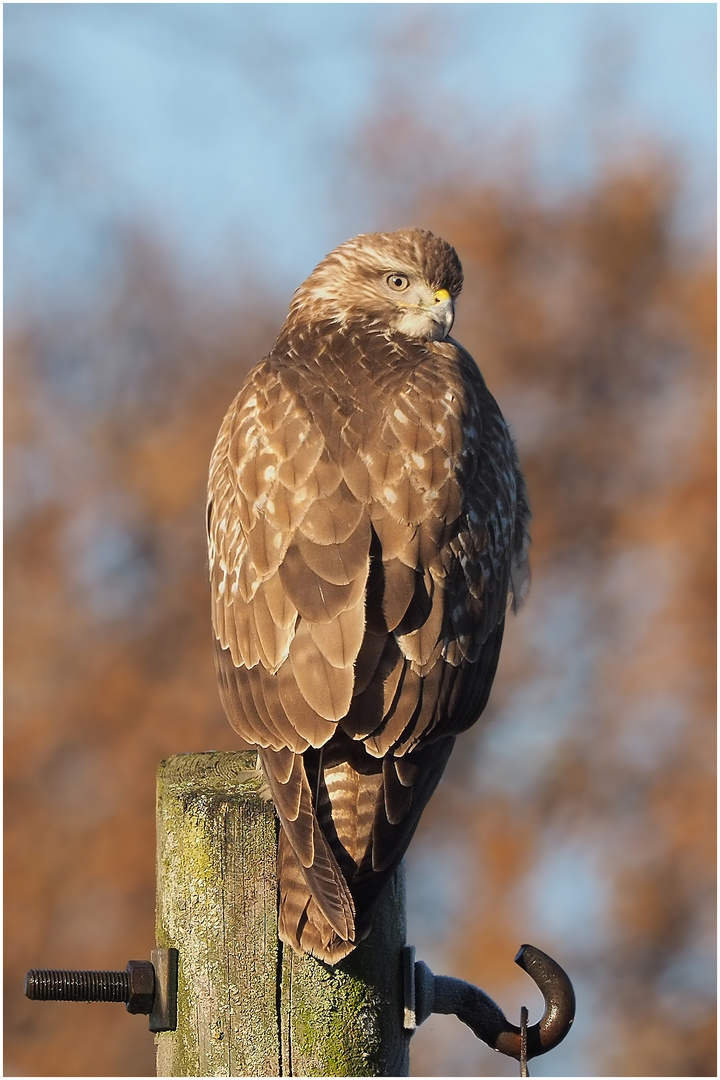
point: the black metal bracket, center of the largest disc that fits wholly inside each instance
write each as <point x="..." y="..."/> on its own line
<point x="146" y="986"/>
<point x="425" y="993"/>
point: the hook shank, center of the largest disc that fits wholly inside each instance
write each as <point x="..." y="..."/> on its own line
<point x="443" y="994"/>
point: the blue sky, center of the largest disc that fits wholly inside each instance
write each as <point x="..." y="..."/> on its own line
<point x="231" y="129"/>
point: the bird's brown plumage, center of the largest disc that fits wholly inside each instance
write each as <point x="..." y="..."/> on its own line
<point x="367" y="526"/>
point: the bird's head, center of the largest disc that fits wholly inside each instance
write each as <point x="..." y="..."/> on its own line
<point x="402" y="282"/>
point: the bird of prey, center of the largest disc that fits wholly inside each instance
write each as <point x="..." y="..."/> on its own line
<point x="367" y="527"/>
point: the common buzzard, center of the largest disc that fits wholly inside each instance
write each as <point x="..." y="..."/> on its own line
<point x="367" y="525"/>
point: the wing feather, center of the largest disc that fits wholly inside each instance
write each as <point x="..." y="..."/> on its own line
<point x="340" y="641"/>
<point x="317" y="599"/>
<point x="338" y="562"/>
<point x="326" y="689"/>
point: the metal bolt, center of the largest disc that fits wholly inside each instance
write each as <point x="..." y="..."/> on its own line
<point x="148" y="987"/>
<point x="135" y="986"/>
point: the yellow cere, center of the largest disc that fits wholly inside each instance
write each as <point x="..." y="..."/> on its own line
<point x="441" y="294"/>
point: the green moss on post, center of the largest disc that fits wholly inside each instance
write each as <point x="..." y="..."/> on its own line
<point x="248" y="1006"/>
<point x="347" y="1020"/>
<point x="216" y="905"/>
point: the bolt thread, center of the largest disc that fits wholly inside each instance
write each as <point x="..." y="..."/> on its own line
<point x="78" y="985"/>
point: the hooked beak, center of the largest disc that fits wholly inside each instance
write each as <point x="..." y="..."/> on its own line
<point x="442" y="311"/>
<point x="426" y="315"/>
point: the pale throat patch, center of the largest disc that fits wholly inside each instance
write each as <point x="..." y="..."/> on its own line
<point x="420" y="324"/>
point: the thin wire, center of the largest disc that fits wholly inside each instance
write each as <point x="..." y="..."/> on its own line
<point x="523" y="1041"/>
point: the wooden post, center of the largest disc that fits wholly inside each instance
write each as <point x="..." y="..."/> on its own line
<point x="248" y="1005"/>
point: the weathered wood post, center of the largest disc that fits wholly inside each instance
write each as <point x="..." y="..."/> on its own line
<point x="247" y="1005"/>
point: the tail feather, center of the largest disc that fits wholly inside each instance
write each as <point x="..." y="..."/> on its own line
<point x="346" y="819"/>
<point x="307" y="868"/>
<point x="301" y="922"/>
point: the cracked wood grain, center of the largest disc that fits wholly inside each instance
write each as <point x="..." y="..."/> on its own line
<point x="248" y="1006"/>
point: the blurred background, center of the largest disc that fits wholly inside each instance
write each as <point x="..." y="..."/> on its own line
<point x="172" y="172"/>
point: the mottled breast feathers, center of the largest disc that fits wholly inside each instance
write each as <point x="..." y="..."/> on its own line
<point x="366" y="524"/>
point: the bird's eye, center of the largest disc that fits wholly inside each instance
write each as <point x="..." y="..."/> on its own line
<point x="398" y="282"/>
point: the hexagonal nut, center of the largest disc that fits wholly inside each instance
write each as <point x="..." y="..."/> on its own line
<point x="142" y="986"/>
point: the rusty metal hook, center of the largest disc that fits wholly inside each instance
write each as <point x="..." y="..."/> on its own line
<point x="426" y="993"/>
